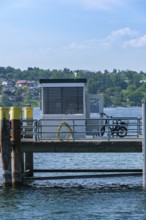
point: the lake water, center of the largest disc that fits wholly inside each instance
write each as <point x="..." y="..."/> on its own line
<point x="93" y="198"/>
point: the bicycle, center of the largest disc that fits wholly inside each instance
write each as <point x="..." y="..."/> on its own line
<point x="118" y="127"/>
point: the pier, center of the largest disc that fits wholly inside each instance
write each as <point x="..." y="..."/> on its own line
<point x="83" y="146"/>
<point x="20" y="138"/>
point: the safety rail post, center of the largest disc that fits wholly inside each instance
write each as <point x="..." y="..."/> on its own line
<point x="39" y="129"/>
<point x="101" y="124"/>
<point x="35" y="131"/>
<point x="139" y="126"/>
<point x="28" y="115"/>
<point x="144" y="142"/>
<point x="73" y="133"/>
<point x="15" y="117"/>
<point x="108" y="129"/>
<point x="5" y="147"/>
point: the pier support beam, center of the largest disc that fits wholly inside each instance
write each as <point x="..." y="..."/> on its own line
<point x="5" y="147"/>
<point x="15" y="116"/>
<point x="28" y="115"/>
<point x="144" y="143"/>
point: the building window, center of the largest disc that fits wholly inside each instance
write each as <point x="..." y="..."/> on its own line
<point x="64" y="100"/>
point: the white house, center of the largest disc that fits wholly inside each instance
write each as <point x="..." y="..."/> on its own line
<point x="64" y="108"/>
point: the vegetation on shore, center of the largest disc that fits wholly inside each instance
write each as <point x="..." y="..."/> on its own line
<point x="119" y="87"/>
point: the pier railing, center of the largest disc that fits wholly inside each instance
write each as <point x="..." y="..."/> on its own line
<point x="17" y="154"/>
<point x="76" y="129"/>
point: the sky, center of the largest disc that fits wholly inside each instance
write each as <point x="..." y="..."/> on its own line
<point x="94" y="35"/>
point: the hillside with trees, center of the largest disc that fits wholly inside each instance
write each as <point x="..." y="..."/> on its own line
<point x="119" y="87"/>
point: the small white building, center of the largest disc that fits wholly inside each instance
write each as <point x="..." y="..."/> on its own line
<point x="64" y="108"/>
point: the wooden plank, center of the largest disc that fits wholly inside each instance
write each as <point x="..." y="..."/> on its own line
<point x="83" y="146"/>
<point x="83" y="170"/>
<point x="81" y="176"/>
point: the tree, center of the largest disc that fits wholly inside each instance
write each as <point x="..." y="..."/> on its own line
<point x="5" y="100"/>
<point x="133" y="78"/>
<point x="135" y="98"/>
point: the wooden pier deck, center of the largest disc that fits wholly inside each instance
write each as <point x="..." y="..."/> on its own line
<point x="82" y="146"/>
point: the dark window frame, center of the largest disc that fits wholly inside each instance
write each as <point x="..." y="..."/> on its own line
<point x="63" y="100"/>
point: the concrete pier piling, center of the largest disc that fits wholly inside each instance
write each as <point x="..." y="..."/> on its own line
<point x="5" y="146"/>
<point x="15" y="117"/>
<point x="28" y="115"/>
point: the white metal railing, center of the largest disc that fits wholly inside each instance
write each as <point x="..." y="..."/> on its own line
<point x="75" y="129"/>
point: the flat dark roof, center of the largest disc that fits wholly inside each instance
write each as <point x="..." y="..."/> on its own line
<point x="62" y="80"/>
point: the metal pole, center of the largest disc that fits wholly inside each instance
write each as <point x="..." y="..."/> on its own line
<point x="15" y="116"/>
<point x="28" y="115"/>
<point x="35" y="131"/>
<point x="144" y="142"/>
<point x="5" y="146"/>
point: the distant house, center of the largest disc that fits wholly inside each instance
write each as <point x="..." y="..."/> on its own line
<point x="142" y="81"/>
<point x="8" y="88"/>
<point x="21" y="83"/>
<point x="5" y="82"/>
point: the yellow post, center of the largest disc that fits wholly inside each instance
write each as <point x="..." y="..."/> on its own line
<point x="5" y="146"/>
<point x="4" y="113"/>
<point x="28" y="125"/>
<point x="28" y="116"/>
<point x="28" y="112"/>
<point x="15" y="117"/>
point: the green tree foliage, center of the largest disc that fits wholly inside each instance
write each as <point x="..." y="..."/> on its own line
<point x="5" y="100"/>
<point x="120" y="88"/>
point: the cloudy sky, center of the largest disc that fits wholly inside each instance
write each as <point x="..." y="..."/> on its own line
<point x="75" y="34"/>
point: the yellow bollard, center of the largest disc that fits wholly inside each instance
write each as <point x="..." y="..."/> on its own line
<point x="5" y="146"/>
<point x="4" y="113"/>
<point x="15" y="113"/>
<point x="15" y="117"/>
<point x="28" y="125"/>
<point x="28" y="112"/>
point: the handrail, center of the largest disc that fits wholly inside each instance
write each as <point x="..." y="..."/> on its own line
<point x="75" y="129"/>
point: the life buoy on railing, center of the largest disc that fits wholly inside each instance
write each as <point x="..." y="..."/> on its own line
<point x="68" y="132"/>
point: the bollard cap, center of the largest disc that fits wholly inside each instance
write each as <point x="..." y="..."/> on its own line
<point x="4" y="113"/>
<point x="28" y="112"/>
<point x="15" y="112"/>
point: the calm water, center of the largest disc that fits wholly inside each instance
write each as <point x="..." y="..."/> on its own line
<point x="94" y="198"/>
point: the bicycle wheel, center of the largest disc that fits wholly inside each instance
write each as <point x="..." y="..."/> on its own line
<point x="122" y="132"/>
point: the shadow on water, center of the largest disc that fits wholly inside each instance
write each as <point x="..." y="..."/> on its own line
<point x="76" y="200"/>
<point x="66" y="188"/>
<point x="108" y="184"/>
